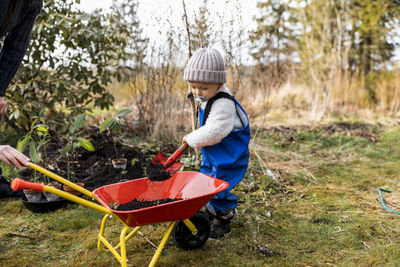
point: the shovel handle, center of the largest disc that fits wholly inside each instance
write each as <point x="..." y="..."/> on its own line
<point x="19" y="184"/>
<point x="176" y="154"/>
<point x="60" y="179"/>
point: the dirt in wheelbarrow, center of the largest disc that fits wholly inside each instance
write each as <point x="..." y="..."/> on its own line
<point x="95" y="169"/>
<point x="140" y="204"/>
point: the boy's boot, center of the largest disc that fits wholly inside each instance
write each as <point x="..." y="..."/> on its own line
<point x="209" y="212"/>
<point x="221" y="224"/>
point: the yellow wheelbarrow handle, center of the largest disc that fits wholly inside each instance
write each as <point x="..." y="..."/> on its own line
<point x="60" y="179"/>
<point x="19" y="184"/>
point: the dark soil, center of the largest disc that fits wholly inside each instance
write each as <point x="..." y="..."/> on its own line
<point x="94" y="168"/>
<point x="140" y="204"/>
<point x="157" y="172"/>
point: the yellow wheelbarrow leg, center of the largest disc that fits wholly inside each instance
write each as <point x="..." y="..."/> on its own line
<point x="134" y="231"/>
<point x="101" y="233"/>
<point x="121" y="257"/>
<point x="123" y="246"/>
<point x="162" y="244"/>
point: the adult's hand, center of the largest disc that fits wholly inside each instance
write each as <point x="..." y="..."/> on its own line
<point x="13" y="157"/>
<point x="3" y="106"/>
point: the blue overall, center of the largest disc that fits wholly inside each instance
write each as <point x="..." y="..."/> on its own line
<point x="227" y="161"/>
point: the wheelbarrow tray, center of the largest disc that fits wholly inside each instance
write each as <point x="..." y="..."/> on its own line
<point x="195" y="189"/>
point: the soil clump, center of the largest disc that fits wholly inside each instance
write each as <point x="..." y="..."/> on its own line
<point x="136" y="204"/>
<point x="157" y="171"/>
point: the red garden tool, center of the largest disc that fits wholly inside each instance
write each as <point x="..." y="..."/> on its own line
<point x="162" y="168"/>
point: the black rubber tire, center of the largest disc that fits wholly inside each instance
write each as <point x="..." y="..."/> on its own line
<point x="184" y="238"/>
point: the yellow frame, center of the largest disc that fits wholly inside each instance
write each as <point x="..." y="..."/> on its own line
<point x="124" y="236"/>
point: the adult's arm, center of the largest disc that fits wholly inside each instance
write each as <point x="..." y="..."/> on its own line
<point x="15" y="46"/>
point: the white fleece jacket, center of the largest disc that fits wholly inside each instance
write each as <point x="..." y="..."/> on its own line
<point x="221" y="121"/>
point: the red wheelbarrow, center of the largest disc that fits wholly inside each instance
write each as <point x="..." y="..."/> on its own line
<point x="189" y="228"/>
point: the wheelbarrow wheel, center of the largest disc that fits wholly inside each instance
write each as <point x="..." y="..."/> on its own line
<point x="184" y="238"/>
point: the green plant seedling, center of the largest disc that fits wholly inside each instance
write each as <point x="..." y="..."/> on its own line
<point x="115" y="123"/>
<point x="74" y="141"/>
<point x="35" y="139"/>
<point x="113" y="205"/>
<point x="133" y="161"/>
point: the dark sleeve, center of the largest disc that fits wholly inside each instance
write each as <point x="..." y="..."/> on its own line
<point x="14" y="48"/>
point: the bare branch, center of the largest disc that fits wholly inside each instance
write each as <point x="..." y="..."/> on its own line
<point x="190" y="94"/>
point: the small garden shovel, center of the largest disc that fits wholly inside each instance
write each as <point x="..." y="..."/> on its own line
<point x="161" y="168"/>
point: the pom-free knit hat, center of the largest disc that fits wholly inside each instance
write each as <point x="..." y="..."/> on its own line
<point x="206" y="65"/>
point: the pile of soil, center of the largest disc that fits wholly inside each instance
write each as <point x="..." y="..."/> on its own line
<point x="156" y="171"/>
<point x="94" y="168"/>
<point x="140" y="204"/>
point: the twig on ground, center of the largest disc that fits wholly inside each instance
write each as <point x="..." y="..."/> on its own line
<point x="366" y="245"/>
<point x="151" y="243"/>
<point x="24" y="236"/>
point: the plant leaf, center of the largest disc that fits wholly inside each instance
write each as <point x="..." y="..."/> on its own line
<point x="106" y="124"/>
<point x="41" y="143"/>
<point x="22" y="143"/>
<point x="41" y="128"/>
<point x="66" y="149"/>
<point x="133" y="162"/>
<point x="79" y="121"/>
<point x="86" y="144"/>
<point x="33" y="152"/>
<point x="123" y="112"/>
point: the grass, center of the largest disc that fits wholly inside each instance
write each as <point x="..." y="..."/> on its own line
<point x="331" y="214"/>
<point x="309" y="199"/>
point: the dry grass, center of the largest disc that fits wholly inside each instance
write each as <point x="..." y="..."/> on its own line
<point x="162" y="109"/>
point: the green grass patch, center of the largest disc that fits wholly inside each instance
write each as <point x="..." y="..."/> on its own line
<point x="309" y="199"/>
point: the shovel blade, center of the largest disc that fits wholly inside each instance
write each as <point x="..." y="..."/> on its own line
<point x="159" y="159"/>
<point x="174" y="167"/>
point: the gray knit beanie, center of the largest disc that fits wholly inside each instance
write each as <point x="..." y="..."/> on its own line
<point x="206" y="65"/>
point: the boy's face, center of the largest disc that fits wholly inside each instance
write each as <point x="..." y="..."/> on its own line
<point x="207" y="90"/>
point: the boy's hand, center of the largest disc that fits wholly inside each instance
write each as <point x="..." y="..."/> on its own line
<point x="184" y="139"/>
<point x="11" y="156"/>
<point x="3" y="106"/>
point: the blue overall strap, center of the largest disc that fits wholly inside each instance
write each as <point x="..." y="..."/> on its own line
<point x="211" y="101"/>
<point x="227" y="161"/>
